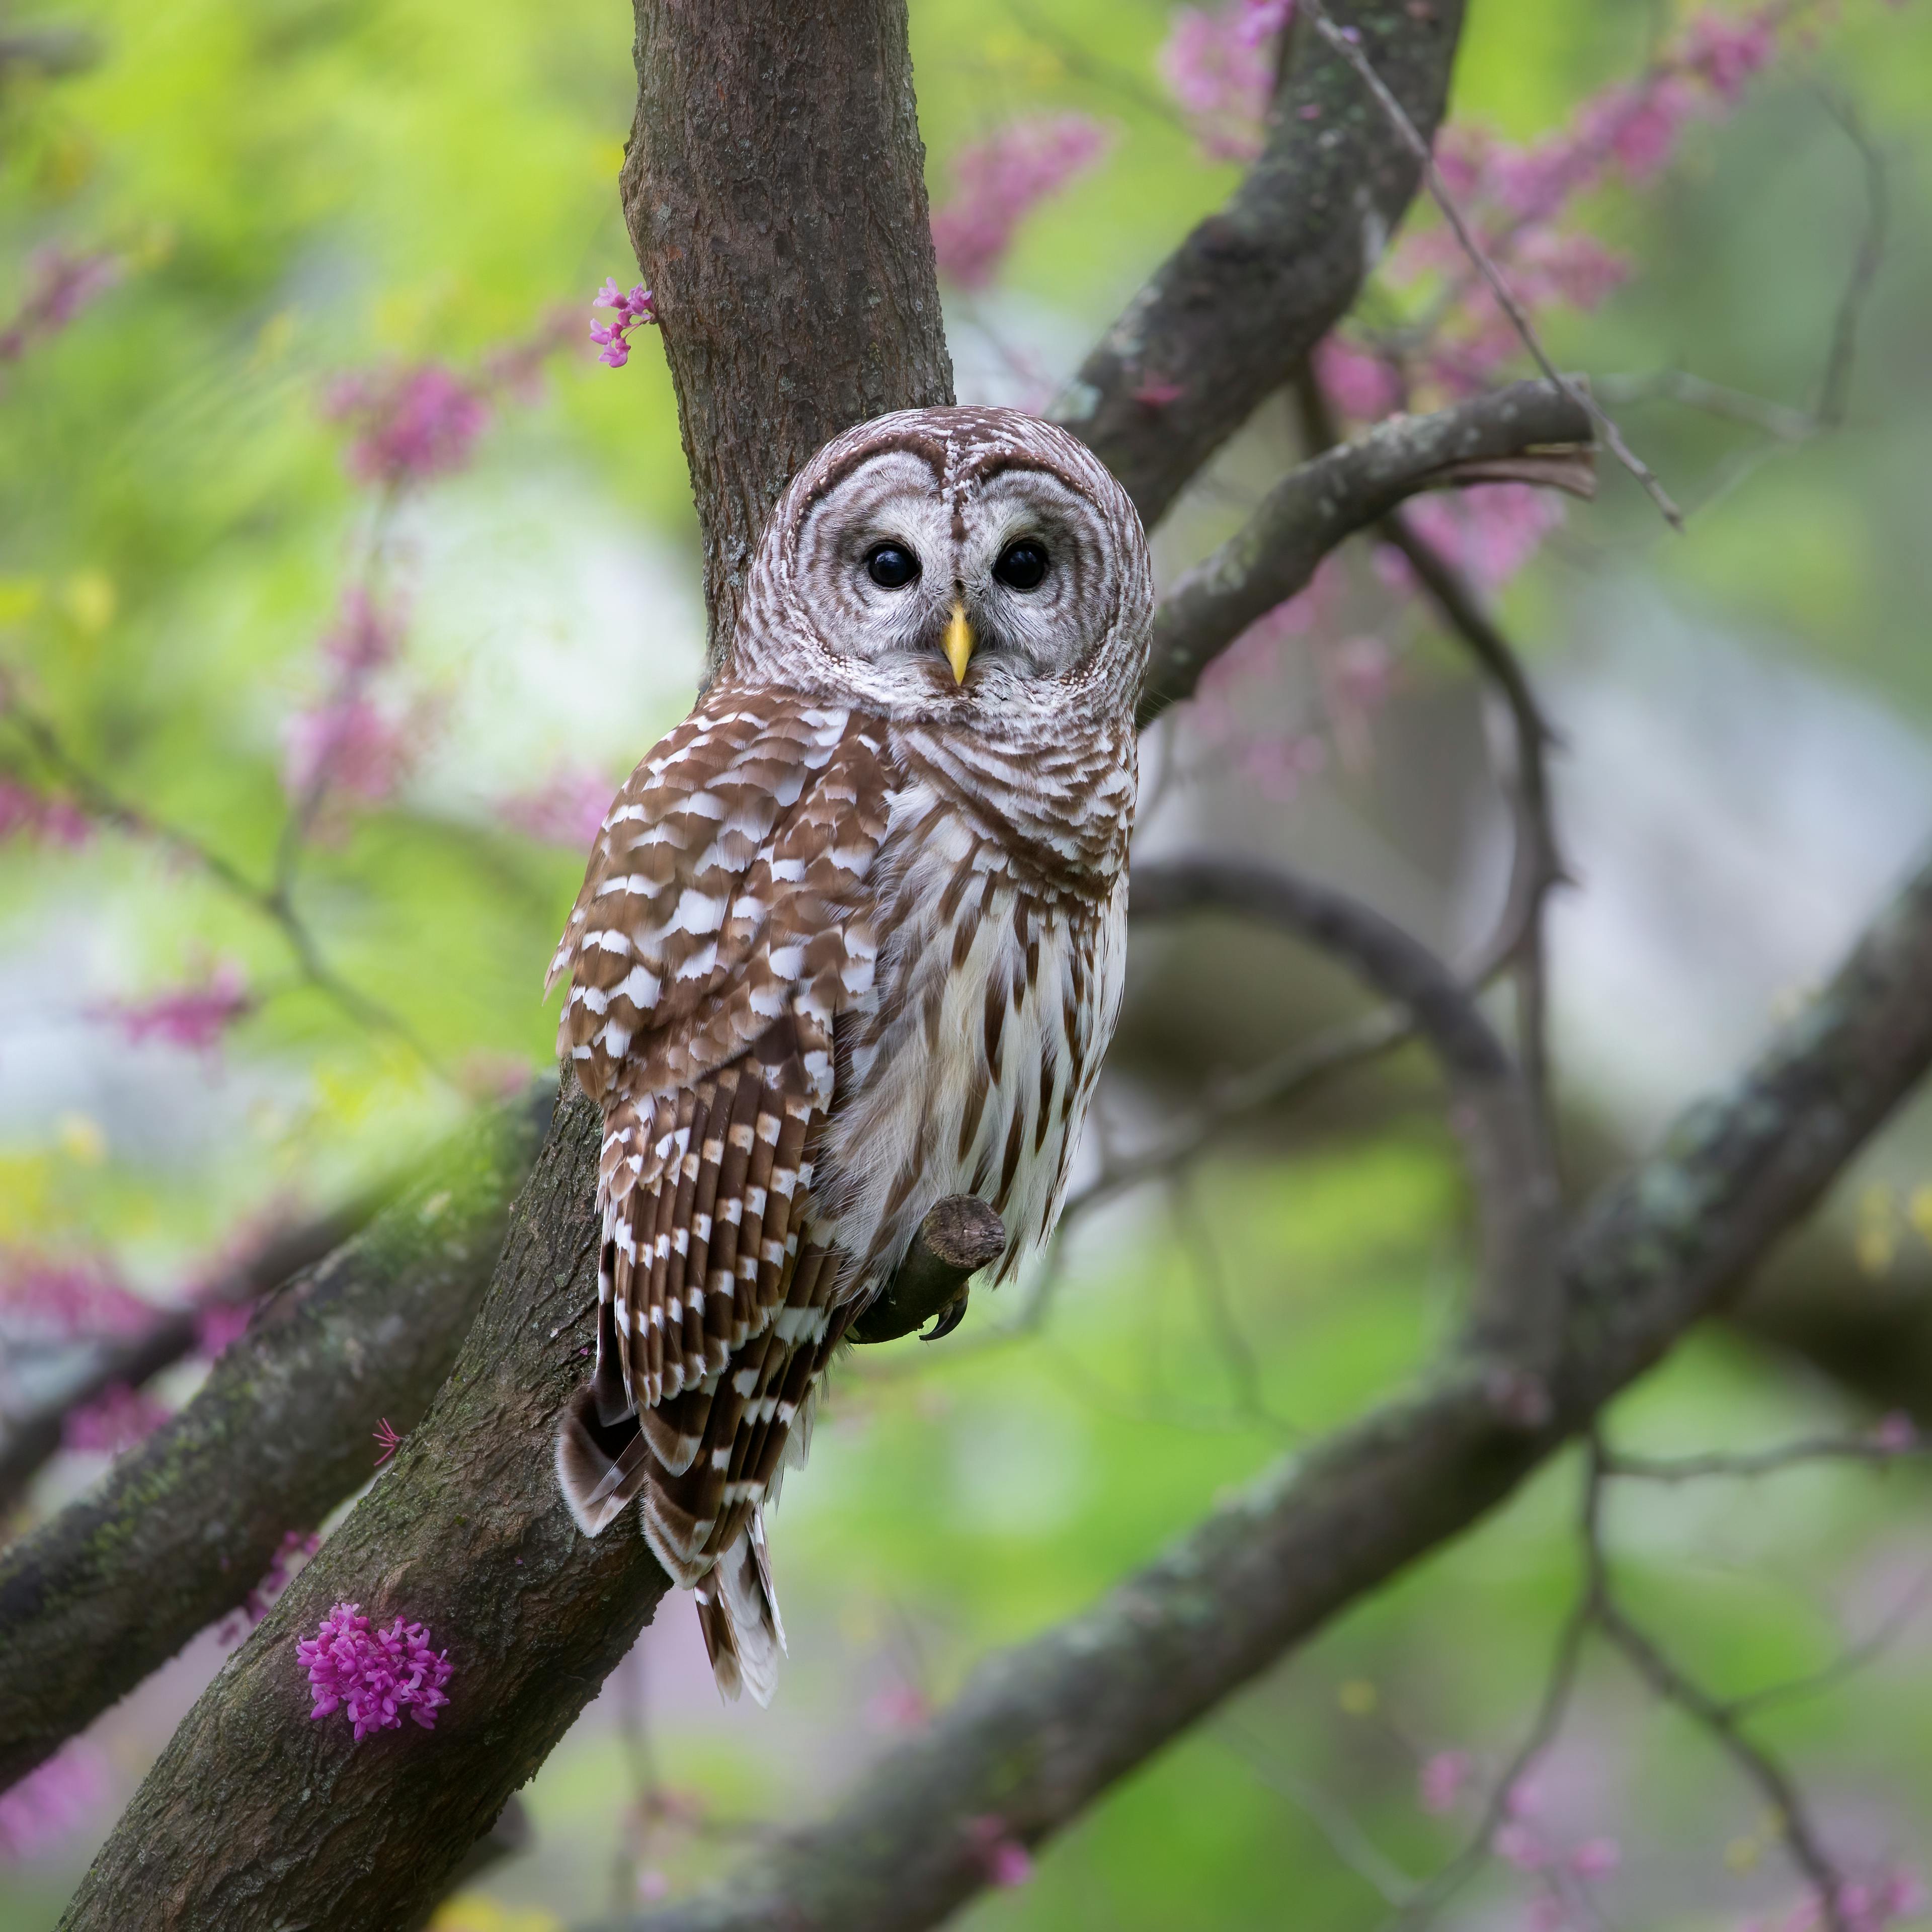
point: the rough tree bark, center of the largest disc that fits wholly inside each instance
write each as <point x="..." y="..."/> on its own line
<point x="112" y="1587"/>
<point x="1228" y="317"/>
<point x="775" y="188"/>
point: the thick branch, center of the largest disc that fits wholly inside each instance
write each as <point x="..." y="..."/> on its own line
<point x="33" y="1436"/>
<point x="184" y="1524"/>
<point x="1312" y="508"/>
<point x="1230" y="313"/>
<point x="775" y="191"/>
<point x="1038" y="1732"/>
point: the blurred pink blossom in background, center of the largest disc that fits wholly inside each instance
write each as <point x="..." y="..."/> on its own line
<point x="1219" y="66"/>
<point x="59" y="285"/>
<point x="291" y="1555"/>
<point x="998" y="182"/>
<point x="196" y="1016"/>
<point x="374" y="1675"/>
<point x="45" y="1298"/>
<point x="567" y="810"/>
<point x="50" y="1804"/>
<point x="1008" y="1863"/>
<point x="1444" y="1778"/>
<point x="116" y="1419"/>
<point x="409" y="424"/>
<point x="46" y="819"/>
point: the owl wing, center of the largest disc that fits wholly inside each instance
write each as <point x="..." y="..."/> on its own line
<point x="722" y="928"/>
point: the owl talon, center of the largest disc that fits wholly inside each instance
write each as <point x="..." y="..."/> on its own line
<point x="948" y="1319"/>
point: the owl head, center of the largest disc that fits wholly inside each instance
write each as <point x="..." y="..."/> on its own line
<point x="977" y="567"/>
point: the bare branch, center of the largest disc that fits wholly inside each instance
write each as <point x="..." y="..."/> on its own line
<point x="1720" y="1719"/>
<point x="1347" y="41"/>
<point x="1228" y="315"/>
<point x="1311" y="510"/>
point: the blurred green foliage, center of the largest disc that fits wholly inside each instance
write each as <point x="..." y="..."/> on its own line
<point x="296" y="188"/>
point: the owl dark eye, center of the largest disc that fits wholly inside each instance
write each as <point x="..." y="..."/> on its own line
<point x="891" y="566"/>
<point x="1021" y="564"/>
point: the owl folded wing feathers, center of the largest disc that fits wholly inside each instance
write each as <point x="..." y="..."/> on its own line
<point x="718" y="934"/>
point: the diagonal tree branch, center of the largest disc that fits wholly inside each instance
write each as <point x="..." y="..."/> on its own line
<point x="1041" y="1731"/>
<point x="1328" y="498"/>
<point x="1229" y="315"/>
<point x="184" y="1524"/>
<point x="32" y="1437"/>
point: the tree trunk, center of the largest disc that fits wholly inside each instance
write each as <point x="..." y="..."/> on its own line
<point x="774" y="188"/>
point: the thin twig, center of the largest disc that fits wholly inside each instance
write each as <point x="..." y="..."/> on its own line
<point x="272" y="902"/>
<point x="1338" y="38"/>
<point x="1559" y="1686"/>
<point x="1760" y="1462"/>
<point x="1721" y="1719"/>
<point x="1834" y="389"/>
<point x="1344" y="1833"/>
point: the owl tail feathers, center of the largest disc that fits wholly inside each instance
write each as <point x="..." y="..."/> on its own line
<point x="600" y="1466"/>
<point x="738" y="1612"/>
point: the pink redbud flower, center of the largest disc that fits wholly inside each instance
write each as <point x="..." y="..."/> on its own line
<point x="1896" y="1432"/>
<point x="1008" y="1863"/>
<point x="59" y="285"/>
<point x="373" y="1676"/>
<point x="26" y="813"/>
<point x="387" y="1440"/>
<point x="409" y="424"/>
<point x="1442" y="1779"/>
<point x="635" y="311"/>
<point x="1596" y="1858"/>
<point x="1361" y="386"/>
<point x="195" y="1016"/>
<point x="116" y="1419"/>
<point x="1522" y="1845"/>
<point x="220" y="1323"/>
<point x="1218" y="70"/>
<point x="999" y="181"/>
<point x="43" y="1298"/>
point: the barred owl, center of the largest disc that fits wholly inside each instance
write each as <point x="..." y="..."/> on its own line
<point x="850" y="941"/>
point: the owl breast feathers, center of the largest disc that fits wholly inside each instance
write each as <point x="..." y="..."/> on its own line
<point x="850" y="941"/>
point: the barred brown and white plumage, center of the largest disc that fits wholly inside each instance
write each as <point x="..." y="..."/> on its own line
<point x="850" y="941"/>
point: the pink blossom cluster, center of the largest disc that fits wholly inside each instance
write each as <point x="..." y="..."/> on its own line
<point x="196" y="1016"/>
<point x="59" y="285"/>
<point x="1489" y="531"/>
<point x="1516" y="199"/>
<point x="348" y="744"/>
<point x="999" y="181"/>
<point x="116" y="1419"/>
<point x="409" y="424"/>
<point x="1007" y="1862"/>
<point x="51" y="1803"/>
<point x="637" y="310"/>
<point x="46" y="1298"/>
<point x="568" y="810"/>
<point x="1220" y="67"/>
<point x="1895" y="1895"/>
<point x="374" y="1675"/>
<point x="43" y="817"/>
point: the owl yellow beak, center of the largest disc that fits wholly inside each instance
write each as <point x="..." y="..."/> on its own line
<point x="958" y="643"/>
